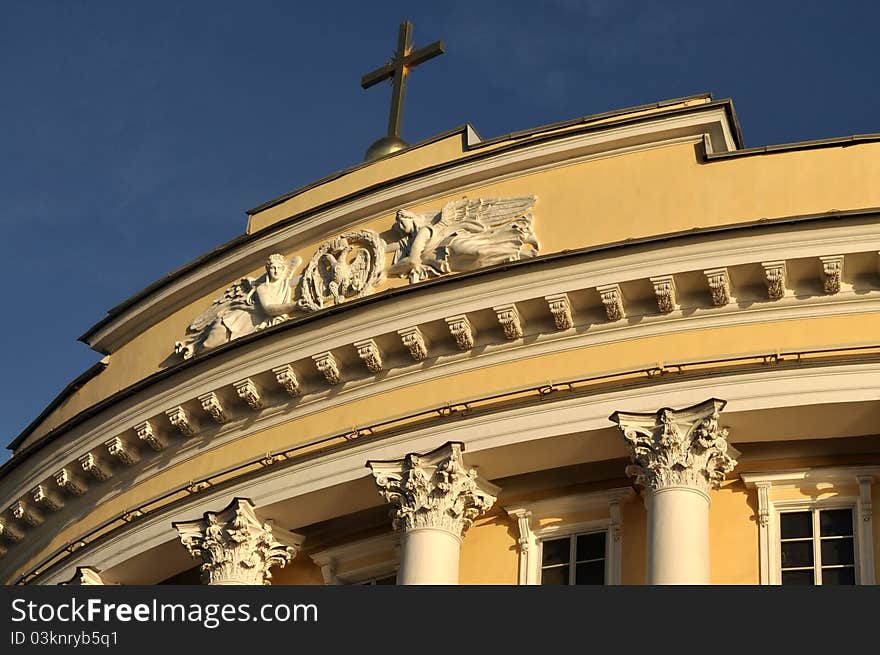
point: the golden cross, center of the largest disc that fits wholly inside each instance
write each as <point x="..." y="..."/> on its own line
<point x="397" y="69"/>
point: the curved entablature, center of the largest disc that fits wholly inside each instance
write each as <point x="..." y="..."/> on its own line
<point x="581" y="323"/>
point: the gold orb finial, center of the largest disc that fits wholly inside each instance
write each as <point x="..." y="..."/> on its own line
<point x="384" y="147"/>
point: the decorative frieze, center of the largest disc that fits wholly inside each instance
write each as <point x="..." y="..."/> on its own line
<point x="560" y="307"/>
<point x="832" y="273"/>
<point x="46" y="499"/>
<point x="775" y="278"/>
<point x="328" y="367"/>
<point x="369" y="353"/>
<point x="72" y="484"/>
<point x="9" y="532"/>
<point x="95" y="467"/>
<point x="213" y="407"/>
<point x="677" y="448"/>
<point x="462" y="331"/>
<point x="286" y="377"/>
<point x="664" y="290"/>
<point x="510" y="320"/>
<point x="147" y="434"/>
<point x="415" y="342"/>
<point x="236" y="546"/>
<point x="719" y="285"/>
<point x="343" y="268"/>
<point x="248" y="391"/>
<point x="122" y="451"/>
<point x="433" y="490"/>
<point x="29" y="515"/>
<point x="612" y="299"/>
<point x="178" y="417"/>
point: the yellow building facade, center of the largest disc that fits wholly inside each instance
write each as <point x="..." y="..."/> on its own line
<point x="621" y="349"/>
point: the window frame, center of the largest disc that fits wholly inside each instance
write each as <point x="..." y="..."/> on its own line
<point x="851" y="478"/>
<point x="529" y="514"/>
<point x="814" y="507"/>
<point x="569" y="532"/>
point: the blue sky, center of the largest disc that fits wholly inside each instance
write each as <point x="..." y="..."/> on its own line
<point x="136" y="134"/>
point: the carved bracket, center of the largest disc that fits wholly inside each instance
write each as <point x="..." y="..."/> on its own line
<point x="775" y="278"/>
<point x="612" y="298"/>
<point x="719" y="285"/>
<point x="45" y="498"/>
<point x="832" y="273"/>
<point x="95" y="467"/>
<point x="70" y="483"/>
<point x="560" y="307"/>
<point x="286" y="377"/>
<point x="664" y="290"/>
<point x="510" y="320"/>
<point x="328" y="367"/>
<point x="213" y="407"/>
<point x="462" y="331"/>
<point x="147" y="434"/>
<point x="27" y="514"/>
<point x="180" y="420"/>
<point x="369" y="353"/>
<point x="122" y="451"/>
<point x="415" y="342"/>
<point x="9" y="532"/>
<point x="249" y="392"/>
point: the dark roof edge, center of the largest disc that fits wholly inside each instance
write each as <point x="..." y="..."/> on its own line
<point x="63" y="395"/>
<point x="838" y="142"/>
<point x="390" y="293"/>
<point x="229" y="245"/>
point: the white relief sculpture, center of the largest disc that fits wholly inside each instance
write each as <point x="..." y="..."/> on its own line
<point x="9" y="532"/>
<point x="85" y="576"/>
<point x="213" y="407"/>
<point x="178" y="417"/>
<point x="433" y="490"/>
<point x="677" y="448"/>
<point x="510" y="320"/>
<point x="664" y="290"/>
<point x="348" y="266"/>
<point x="774" y="276"/>
<point x="414" y="341"/>
<point x="95" y="467"/>
<point x="69" y="482"/>
<point x="560" y="307"/>
<point x="612" y="299"/>
<point x="832" y="273"/>
<point x="464" y="235"/>
<point x="462" y="331"/>
<point x="27" y="514"/>
<point x="328" y="367"/>
<point x="236" y="546"/>
<point x="369" y="353"/>
<point x="146" y="434"/>
<point x="249" y="392"/>
<point x="45" y="498"/>
<point x="122" y="451"/>
<point x="247" y="306"/>
<point x="286" y="377"/>
<point x="719" y="285"/>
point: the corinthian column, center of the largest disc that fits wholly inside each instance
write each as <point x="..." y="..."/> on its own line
<point x="678" y="457"/>
<point x="236" y="546"/>
<point x="434" y="500"/>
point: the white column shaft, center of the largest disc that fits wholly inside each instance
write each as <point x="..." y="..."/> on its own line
<point x="429" y="556"/>
<point x="678" y="536"/>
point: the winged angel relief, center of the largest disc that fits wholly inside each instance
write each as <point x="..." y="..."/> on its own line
<point x="464" y="235"/>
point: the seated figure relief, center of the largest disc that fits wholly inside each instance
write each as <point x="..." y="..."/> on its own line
<point x="464" y="235"/>
<point x="246" y="306"/>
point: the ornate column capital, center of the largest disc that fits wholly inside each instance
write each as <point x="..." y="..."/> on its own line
<point x="677" y="448"/>
<point x="433" y="490"/>
<point x="236" y="546"/>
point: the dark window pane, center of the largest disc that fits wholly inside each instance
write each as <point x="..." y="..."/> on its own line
<point x="797" y="553"/>
<point x="835" y="522"/>
<point x="590" y="573"/>
<point x="796" y="524"/>
<point x="391" y="579"/>
<point x="797" y="577"/>
<point x="590" y="546"/>
<point x="556" y="551"/>
<point x="557" y="575"/>
<point x="837" y="551"/>
<point x="839" y="576"/>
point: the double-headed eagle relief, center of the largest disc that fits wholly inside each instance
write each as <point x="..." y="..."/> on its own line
<point x="343" y="268"/>
<point x="464" y="235"/>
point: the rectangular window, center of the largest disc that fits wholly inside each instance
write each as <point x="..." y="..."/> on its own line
<point x="578" y="559"/>
<point x="817" y="547"/>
